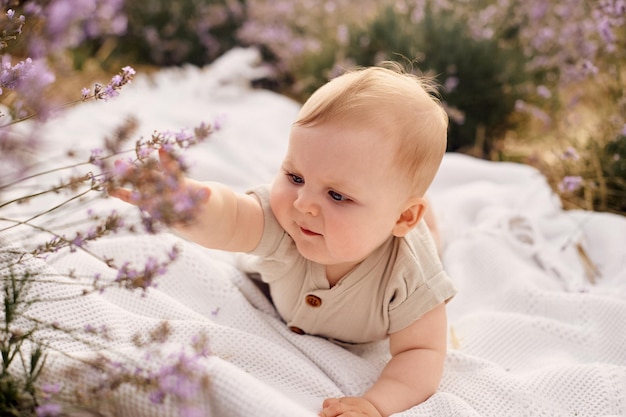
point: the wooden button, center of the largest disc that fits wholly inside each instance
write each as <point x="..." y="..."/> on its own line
<point x="313" y="301"/>
<point x="296" y="329"/>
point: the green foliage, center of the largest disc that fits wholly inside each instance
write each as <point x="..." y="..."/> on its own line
<point x="21" y="361"/>
<point x="615" y="173"/>
<point x="510" y="71"/>
<point x="165" y="33"/>
<point x="488" y="73"/>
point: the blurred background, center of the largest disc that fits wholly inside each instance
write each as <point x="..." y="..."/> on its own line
<point x="534" y="81"/>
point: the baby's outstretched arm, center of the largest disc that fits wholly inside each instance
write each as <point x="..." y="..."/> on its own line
<point x="220" y="218"/>
<point x="411" y="376"/>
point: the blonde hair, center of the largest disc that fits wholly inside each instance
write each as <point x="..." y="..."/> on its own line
<point x="403" y="106"/>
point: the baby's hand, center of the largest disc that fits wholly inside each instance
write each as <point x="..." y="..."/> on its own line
<point x="164" y="193"/>
<point x="348" y="406"/>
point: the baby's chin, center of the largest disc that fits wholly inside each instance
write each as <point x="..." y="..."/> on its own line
<point x="311" y="255"/>
<point x="316" y="250"/>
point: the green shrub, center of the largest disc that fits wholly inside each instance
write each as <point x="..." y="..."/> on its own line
<point x="615" y="173"/>
<point x="482" y="78"/>
<point x="165" y="32"/>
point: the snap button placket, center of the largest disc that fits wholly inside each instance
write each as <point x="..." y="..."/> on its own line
<point x="313" y="300"/>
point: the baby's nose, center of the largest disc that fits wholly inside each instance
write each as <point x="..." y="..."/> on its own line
<point x="305" y="203"/>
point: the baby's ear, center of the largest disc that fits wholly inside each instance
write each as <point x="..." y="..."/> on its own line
<point x="410" y="217"/>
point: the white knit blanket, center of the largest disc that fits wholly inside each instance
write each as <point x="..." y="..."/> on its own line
<point x="534" y="330"/>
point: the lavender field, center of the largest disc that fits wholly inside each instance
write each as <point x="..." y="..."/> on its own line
<point x="536" y="83"/>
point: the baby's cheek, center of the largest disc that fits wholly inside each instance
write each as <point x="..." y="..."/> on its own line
<point x="350" y="243"/>
<point x="279" y="202"/>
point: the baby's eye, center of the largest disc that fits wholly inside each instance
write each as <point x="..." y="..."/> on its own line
<point x="336" y="196"/>
<point x="295" y="179"/>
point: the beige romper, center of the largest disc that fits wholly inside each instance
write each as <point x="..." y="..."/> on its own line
<point x="388" y="291"/>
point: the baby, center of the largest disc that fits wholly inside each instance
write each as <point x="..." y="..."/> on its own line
<point x="339" y="236"/>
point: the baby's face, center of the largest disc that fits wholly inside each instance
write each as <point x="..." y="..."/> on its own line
<point x="338" y="193"/>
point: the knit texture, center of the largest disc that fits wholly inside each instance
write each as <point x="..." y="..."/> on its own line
<point x="532" y="333"/>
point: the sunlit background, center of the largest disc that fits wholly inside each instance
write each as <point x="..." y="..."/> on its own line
<point x="534" y="81"/>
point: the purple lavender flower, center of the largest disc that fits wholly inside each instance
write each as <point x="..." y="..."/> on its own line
<point x="77" y="242"/>
<point x="128" y="72"/>
<point x="120" y="168"/>
<point x="49" y="410"/>
<point x="92" y="233"/>
<point x="157" y="397"/>
<point x="12" y="75"/>
<point x="95" y="153"/>
<point x="451" y="83"/>
<point x="68" y="23"/>
<point x="570" y="154"/>
<point x="183" y="138"/>
<point x="176" y="383"/>
<point x="191" y="411"/>
<point x="570" y="183"/>
<point x="153" y="267"/>
<point x="538" y="10"/>
<point x="116" y="81"/>
<point x="183" y="201"/>
<point x="168" y="147"/>
<point x="109" y="92"/>
<point x="219" y="120"/>
<point x="180" y="377"/>
<point x="33" y="9"/>
<point x="51" y="388"/>
<point x="544" y="91"/>
<point x="605" y="30"/>
<point x="29" y="78"/>
<point x="343" y="34"/>
<point x="589" y="68"/>
<point x="47" y="391"/>
<point x="143" y="153"/>
<point x="141" y="278"/>
<point x="173" y="253"/>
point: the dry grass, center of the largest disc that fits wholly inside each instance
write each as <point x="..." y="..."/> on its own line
<point x="583" y="125"/>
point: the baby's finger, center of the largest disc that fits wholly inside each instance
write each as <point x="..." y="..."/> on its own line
<point x="123" y="194"/>
<point x="123" y="167"/>
<point x="329" y="401"/>
<point x="332" y="407"/>
<point x="168" y="163"/>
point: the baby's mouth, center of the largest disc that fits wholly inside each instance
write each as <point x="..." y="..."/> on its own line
<point x="308" y="232"/>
